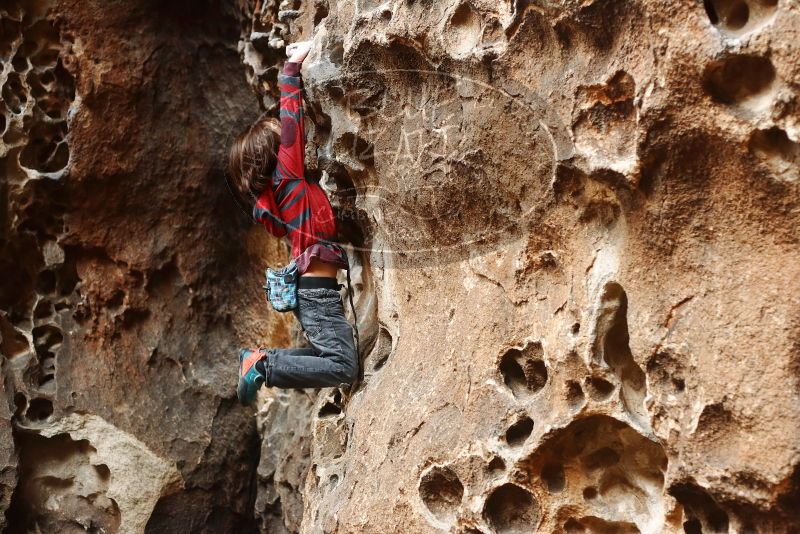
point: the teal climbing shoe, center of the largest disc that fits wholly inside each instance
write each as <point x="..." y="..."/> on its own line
<point x="250" y="378"/>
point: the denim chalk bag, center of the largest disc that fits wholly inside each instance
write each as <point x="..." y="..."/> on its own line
<point x="281" y="287"/>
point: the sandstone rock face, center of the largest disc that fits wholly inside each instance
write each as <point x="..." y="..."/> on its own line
<point x="128" y="274"/>
<point x="576" y="233"/>
<point x="573" y="229"/>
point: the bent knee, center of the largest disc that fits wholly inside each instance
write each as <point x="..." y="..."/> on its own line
<point x="348" y="374"/>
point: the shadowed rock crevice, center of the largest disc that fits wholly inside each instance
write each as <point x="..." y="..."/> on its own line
<point x="611" y="346"/>
<point x="523" y="369"/>
<point x="380" y="353"/>
<point x="703" y="514"/>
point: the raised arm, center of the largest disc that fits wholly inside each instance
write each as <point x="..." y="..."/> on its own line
<point x="291" y="152"/>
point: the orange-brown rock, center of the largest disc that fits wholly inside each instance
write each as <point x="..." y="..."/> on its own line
<point x="577" y="225"/>
<point x="573" y="229"/>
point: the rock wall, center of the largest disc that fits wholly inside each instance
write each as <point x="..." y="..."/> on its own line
<point x="129" y="276"/>
<point x="574" y="235"/>
<point x="576" y="231"/>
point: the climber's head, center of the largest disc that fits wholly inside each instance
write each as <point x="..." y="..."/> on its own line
<point x="252" y="158"/>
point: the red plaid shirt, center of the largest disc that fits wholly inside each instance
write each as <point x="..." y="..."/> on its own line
<point x="293" y="206"/>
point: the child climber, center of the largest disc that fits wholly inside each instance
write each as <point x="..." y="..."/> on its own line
<point x="266" y="169"/>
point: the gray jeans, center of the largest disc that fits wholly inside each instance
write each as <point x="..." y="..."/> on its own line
<point x="331" y="360"/>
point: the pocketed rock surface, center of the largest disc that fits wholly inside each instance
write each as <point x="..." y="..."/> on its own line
<point x="576" y="229"/>
<point x="129" y="277"/>
<point x="573" y="229"/>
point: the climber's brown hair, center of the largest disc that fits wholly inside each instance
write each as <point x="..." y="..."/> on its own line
<point x="252" y="158"/>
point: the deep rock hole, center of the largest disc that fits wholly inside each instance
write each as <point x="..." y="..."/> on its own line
<point x="14" y="93"/>
<point x="731" y="15"/>
<point x="333" y="406"/>
<point x="737" y="78"/>
<point x="774" y="147"/>
<point x="519" y="431"/>
<point x="511" y="509"/>
<point x="600" y="389"/>
<point x="381" y="351"/>
<point x="574" y="394"/>
<point x="496" y="465"/>
<point x="20" y="64"/>
<point x="524" y="370"/>
<point x="46" y="282"/>
<point x="39" y="410"/>
<point x="43" y="309"/>
<point x="739" y="16"/>
<point x="703" y="512"/>
<point x="441" y="490"/>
